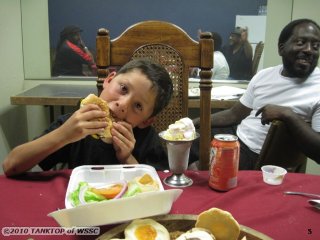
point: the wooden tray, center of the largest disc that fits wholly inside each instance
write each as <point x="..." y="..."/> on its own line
<point x="181" y="222"/>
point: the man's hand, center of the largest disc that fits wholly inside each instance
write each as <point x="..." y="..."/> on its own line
<point x="83" y="123"/>
<point x="81" y="43"/>
<point x="272" y="112"/>
<point x="196" y="122"/>
<point x="123" y="140"/>
<point x="244" y="34"/>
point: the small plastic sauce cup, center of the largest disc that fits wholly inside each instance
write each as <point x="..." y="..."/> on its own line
<point x="273" y="175"/>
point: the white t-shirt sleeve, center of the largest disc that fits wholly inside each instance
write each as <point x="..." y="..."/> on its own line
<point x="315" y="122"/>
<point x="247" y="98"/>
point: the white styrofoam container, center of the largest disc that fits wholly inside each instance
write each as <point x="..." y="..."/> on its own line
<point x="95" y="175"/>
<point x="117" y="210"/>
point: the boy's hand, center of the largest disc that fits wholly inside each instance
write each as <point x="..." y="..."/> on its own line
<point x="123" y="140"/>
<point x="82" y="123"/>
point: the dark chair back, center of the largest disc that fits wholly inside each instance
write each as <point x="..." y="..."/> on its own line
<point x="280" y="149"/>
<point x="256" y="57"/>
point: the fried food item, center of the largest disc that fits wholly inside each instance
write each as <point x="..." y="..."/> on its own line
<point x="103" y="105"/>
<point x="220" y="223"/>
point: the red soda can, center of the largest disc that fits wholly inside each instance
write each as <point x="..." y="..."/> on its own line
<point x="224" y="162"/>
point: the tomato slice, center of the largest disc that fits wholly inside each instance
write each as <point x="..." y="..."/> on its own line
<point x="109" y="192"/>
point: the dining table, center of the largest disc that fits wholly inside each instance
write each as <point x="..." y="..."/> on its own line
<point x="62" y="95"/>
<point x="27" y="199"/>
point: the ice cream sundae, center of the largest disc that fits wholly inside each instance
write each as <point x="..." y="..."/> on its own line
<point x="178" y="138"/>
<point x="182" y="129"/>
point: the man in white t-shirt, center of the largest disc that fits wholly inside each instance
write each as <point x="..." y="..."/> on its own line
<point x="289" y="92"/>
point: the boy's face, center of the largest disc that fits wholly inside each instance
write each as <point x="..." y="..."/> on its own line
<point x="130" y="97"/>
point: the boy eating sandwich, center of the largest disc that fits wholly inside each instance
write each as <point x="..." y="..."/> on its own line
<point x="135" y="95"/>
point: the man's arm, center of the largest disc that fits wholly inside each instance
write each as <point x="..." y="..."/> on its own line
<point x="245" y="43"/>
<point x="228" y="117"/>
<point x="306" y="138"/>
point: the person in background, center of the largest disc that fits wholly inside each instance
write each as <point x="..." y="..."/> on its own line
<point x="135" y="95"/>
<point x="220" y="68"/>
<point x="239" y="55"/>
<point x="72" y="55"/>
<point x="288" y="92"/>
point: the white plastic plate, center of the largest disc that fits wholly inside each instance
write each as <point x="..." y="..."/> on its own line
<point x="95" y="175"/>
<point x="117" y="210"/>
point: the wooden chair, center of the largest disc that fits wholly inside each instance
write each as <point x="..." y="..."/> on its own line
<point x="256" y="57"/>
<point x="280" y="149"/>
<point x="172" y="47"/>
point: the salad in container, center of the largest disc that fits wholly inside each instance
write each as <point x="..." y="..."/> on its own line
<point x="109" y="194"/>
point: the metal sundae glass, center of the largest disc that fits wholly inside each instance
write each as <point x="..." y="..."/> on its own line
<point x="178" y="155"/>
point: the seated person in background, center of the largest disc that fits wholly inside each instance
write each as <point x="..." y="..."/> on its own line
<point x="239" y="55"/>
<point x="287" y="92"/>
<point x="220" y="65"/>
<point x="220" y="68"/>
<point x="135" y="95"/>
<point x="72" y="54"/>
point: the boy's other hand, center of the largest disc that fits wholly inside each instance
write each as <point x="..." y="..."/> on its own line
<point x="123" y="140"/>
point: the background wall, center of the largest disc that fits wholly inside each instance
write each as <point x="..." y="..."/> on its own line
<point x="19" y="124"/>
<point x="36" y="50"/>
<point x="116" y="16"/>
<point x="13" y="122"/>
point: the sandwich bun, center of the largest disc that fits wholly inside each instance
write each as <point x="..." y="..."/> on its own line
<point x="220" y="223"/>
<point x="103" y="105"/>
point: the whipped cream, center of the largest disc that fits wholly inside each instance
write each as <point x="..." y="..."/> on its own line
<point x="182" y="129"/>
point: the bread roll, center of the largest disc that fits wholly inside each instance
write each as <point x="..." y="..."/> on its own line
<point x="220" y="223"/>
<point x="103" y="105"/>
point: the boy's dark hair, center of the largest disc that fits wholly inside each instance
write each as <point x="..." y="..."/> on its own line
<point x="159" y="77"/>
<point x="288" y="29"/>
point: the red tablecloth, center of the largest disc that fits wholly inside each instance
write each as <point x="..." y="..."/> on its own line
<point x="26" y="201"/>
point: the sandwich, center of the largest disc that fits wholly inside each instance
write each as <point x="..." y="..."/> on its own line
<point x="103" y="105"/>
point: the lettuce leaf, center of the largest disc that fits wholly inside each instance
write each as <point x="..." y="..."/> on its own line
<point x="74" y="196"/>
<point x="89" y="197"/>
<point x="133" y="189"/>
